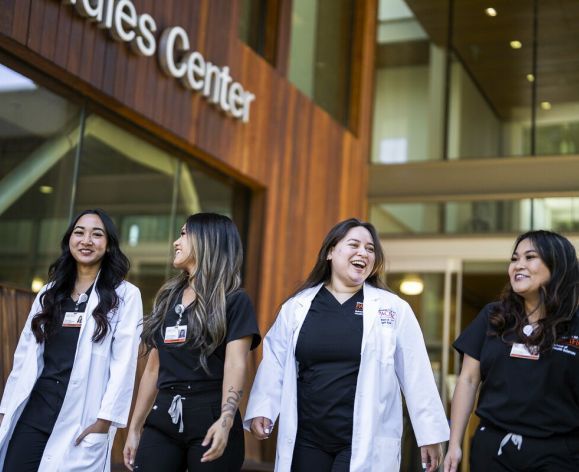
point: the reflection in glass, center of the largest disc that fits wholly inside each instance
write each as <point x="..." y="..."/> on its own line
<point x="409" y="97"/>
<point x="39" y="134"/>
<point x="321" y="52"/>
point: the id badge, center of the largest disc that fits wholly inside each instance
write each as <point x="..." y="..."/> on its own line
<point x="522" y="351"/>
<point x="72" y="320"/>
<point x="175" y="334"/>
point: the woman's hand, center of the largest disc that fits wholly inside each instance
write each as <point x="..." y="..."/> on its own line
<point x="130" y="449"/>
<point x="261" y="427"/>
<point x="99" y="427"/>
<point x="217" y="435"/>
<point x="452" y="459"/>
<point x="431" y="456"/>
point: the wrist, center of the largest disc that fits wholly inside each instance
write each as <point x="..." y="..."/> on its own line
<point x="226" y="420"/>
<point x="104" y="423"/>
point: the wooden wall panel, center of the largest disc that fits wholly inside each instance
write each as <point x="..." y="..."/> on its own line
<point x="308" y="170"/>
<point x="14" y="307"/>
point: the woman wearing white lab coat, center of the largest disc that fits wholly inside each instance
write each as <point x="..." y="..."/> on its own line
<point x="71" y="384"/>
<point x="390" y="356"/>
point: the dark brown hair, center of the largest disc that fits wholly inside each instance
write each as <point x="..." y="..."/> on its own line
<point x="322" y="271"/>
<point x="559" y="297"/>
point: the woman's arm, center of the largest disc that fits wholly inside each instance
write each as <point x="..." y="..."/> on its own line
<point x="462" y="405"/>
<point x="145" y="399"/>
<point x="235" y="369"/>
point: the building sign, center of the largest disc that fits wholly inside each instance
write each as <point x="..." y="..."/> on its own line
<point x="174" y="53"/>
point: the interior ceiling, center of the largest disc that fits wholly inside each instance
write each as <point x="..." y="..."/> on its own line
<point x="482" y="44"/>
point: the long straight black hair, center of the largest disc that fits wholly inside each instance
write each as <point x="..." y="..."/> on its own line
<point x="559" y="297"/>
<point x="62" y="276"/>
<point x="322" y="270"/>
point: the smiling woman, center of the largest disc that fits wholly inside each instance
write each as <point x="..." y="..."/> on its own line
<point x="524" y="348"/>
<point x="349" y="338"/>
<point x="87" y="319"/>
<point x="198" y="337"/>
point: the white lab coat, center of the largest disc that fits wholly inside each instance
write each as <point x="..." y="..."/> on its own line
<point x="393" y="356"/>
<point x="100" y="386"/>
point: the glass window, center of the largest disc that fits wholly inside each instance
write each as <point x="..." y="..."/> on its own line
<point x="148" y="192"/>
<point x="258" y="26"/>
<point x="557" y="103"/>
<point x="321" y="52"/>
<point x="425" y="294"/>
<point x="48" y="171"/>
<point x="409" y="95"/>
<point x="491" y="82"/>
<point x="39" y="136"/>
<point x="475" y="217"/>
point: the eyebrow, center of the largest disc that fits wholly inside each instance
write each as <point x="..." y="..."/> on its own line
<point x="526" y="252"/>
<point x="358" y="241"/>
<point x="97" y="228"/>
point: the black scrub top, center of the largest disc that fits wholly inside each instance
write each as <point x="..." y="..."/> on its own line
<point x="537" y="398"/>
<point x="48" y="393"/>
<point x="179" y="365"/>
<point x="328" y="352"/>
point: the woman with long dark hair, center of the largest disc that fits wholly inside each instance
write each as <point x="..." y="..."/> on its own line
<point x="72" y="381"/>
<point x="198" y="337"/>
<point x="334" y="362"/>
<point x="524" y="353"/>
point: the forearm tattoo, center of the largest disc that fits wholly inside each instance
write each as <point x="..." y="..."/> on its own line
<point x="230" y="406"/>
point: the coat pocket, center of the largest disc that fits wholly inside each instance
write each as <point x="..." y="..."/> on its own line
<point x="384" y="344"/>
<point x="94" y="439"/>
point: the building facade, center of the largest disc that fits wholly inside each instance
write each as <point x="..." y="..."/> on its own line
<point x="156" y="110"/>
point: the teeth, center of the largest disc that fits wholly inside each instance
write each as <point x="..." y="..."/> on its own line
<point x="359" y="264"/>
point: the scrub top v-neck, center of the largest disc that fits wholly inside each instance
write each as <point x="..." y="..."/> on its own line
<point x="49" y="391"/>
<point x="328" y="353"/>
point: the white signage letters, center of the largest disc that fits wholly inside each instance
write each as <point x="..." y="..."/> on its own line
<point x="175" y="57"/>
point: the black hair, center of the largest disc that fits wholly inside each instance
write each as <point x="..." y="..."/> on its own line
<point x="559" y="297"/>
<point x="62" y="275"/>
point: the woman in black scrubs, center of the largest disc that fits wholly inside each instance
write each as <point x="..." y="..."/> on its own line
<point x="525" y="351"/>
<point x="72" y="380"/>
<point x="199" y="335"/>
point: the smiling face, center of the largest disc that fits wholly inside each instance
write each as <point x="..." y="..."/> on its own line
<point x="352" y="259"/>
<point x="184" y="258"/>
<point x="527" y="272"/>
<point x="88" y="241"/>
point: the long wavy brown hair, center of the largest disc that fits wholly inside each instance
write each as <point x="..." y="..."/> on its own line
<point x="559" y="297"/>
<point x="218" y="257"/>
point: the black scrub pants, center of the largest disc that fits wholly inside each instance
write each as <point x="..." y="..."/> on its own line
<point x="34" y="427"/>
<point x="309" y="456"/>
<point x="554" y="454"/>
<point x="164" y="448"/>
